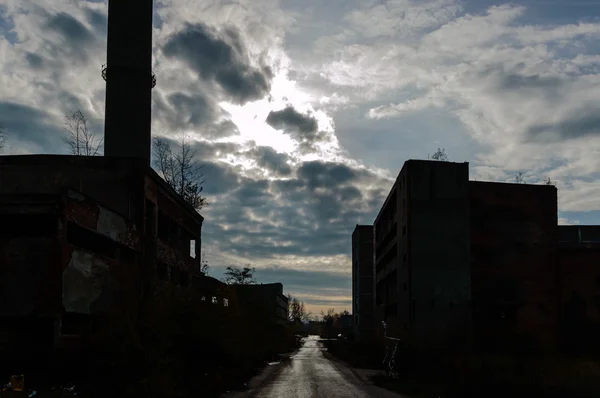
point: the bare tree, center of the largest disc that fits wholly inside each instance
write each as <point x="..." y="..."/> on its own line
<point x="296" y="311"/>
<point x="240" y="276"/>
<point x="439" y="155"/>
<point x="77" y="136"/>
<point x="3" y="135"/>
<point x="180" y="169"/>
<point x="520" y="178"/>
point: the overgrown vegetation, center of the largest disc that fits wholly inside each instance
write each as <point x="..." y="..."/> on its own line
<point x="177" y="346"/>
<point x="239" y="276"/>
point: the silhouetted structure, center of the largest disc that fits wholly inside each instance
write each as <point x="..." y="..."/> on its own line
<point x="266" y="299"/>
<point x="422" y="255"/>
<point x="363" y="297"/>
<point x="460" y="263"/>
<point x="86" y="236"/>
<point x="579" y="273"/>
<point x="129" y="80"/>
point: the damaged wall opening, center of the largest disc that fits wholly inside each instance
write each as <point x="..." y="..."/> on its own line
<point x="193" y="248"/>
<point x="91" y="241"/>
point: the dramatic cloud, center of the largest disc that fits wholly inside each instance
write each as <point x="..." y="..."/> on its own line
<point x="221" y="57"/>
<point x="302" y="114"/>
<point x="302" y="127"/>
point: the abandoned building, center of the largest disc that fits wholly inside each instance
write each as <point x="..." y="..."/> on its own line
<point x="266" y="299"/>
<point x="81" y="233"/>
<point x="82" y="236"/>
<point x="362" y="283"/>
<point x="462" y="263"/>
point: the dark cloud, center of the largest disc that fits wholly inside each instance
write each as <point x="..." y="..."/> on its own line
<point x="312" y="213"/>
<point x="191" y="110"/>
<point x="290" y="118"/>
<point x="29" y="125"/>
<point x="222" y="129"/>
<point x="70" y="28"/>
<point x="207" y="150"/>
<point x="271" y="160"/>
<point x="318" y="174"/>
<point x="98" y="20"/>
<point x="253" y="193"/>
<point x="584" y="123"/>
<point x="76" y="38"/>
<point x="303" y="128"/>
<point x="519" y="82"/>
<point x="219" y="178"/>
<point x="220" y="58"/>
<point x="184" y="111"/>
<point x="34" y="60"/>
<point x="297" y="280"/>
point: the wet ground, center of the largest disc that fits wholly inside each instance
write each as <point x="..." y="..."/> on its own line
<point x="309" y="373"/>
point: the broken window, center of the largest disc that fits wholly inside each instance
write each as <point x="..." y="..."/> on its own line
<point x="193" y="248"/>
<point x="91" y="241"/>
<point x="214" y="300"/>
<point x="225" y="302"/>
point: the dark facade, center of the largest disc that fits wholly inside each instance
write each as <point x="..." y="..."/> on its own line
<point x="82" y="237"/>
<point x="422" y="255"/>
<point x="482" y="260"/>
<point x="363" y="297"/>
<point x="579" y="273"/>
<point x="266" y="300"/>
<point x="513" y="265"/>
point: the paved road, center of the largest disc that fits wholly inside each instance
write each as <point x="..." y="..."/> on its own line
<point x="310" y="374"/>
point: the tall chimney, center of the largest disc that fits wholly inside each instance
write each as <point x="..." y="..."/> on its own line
<point x="129" y="79"/>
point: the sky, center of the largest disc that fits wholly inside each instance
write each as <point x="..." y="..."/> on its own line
<point x="304" y="112"/>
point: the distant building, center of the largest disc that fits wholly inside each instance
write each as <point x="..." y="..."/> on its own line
<point x="265" y="300"/>
<point x="463" y="263"/>
<point x="363" y="297"/>
<point x="422" y="255"/>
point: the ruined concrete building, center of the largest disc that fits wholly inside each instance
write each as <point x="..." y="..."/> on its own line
<point x="462" y="264"/>
<point x="83" y="236"/>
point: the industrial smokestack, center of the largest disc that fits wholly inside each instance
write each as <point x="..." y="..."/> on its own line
<point x="129" y="79"/>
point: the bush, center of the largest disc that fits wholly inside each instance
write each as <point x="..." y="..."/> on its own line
<point x="178" y="346"/>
